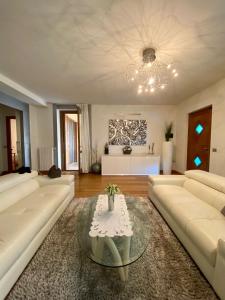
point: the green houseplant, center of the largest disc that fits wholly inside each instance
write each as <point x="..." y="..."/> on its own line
<point x="111" y="190"/>
<point x="168" y="131"/>
<point x="167" y="151"/>
<point x="96" y="166"/>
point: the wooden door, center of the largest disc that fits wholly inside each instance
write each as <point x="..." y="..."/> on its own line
<point x="199" y="136"/>
<point x="11" y="152"/>
<point x="63" y="138"/>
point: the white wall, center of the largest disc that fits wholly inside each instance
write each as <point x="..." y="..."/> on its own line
<point x="41" y="130"/>
<point x="215" y="96"/>
<point x="156" y="117"/>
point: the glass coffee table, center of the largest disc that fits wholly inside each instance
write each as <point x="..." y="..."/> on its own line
<point x="114" y="239"/>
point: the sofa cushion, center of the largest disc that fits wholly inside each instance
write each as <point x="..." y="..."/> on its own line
<point x="54" y="172"/>
<point x="16" y="193"/>
<point x="22" y="221"/>
<point x="212" y="180"/>
<point x="185" y="208"/>
<point x="205" y="233"/>
<point x="167" y="179"/>
<point x="211" y="196"/>
<point x="173" y="195"/>
<point x="10" y="180"/>
<point x="64" y="179"/>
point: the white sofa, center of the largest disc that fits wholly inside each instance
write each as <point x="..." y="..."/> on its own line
<point x="191" y="204"/>
<point x="29" y="207"/>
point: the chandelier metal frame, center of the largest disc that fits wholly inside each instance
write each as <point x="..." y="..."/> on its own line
<point x="151" y="74"/>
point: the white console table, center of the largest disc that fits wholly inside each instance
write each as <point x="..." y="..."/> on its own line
<point x="130" y="164"/>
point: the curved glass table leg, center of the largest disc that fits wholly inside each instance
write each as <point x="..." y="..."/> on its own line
<point x="115" y="253"/>
<point x="126" y="255"/>
<point x="97" y="244"/>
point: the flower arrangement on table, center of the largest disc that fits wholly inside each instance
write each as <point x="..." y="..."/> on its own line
<point x="111" y="190"/>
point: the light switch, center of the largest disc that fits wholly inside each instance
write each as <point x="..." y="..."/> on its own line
<point x="214" y="149"/>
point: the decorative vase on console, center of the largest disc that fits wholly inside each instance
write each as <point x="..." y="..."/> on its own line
<point x="151" y="148"/>
<point x="106" y="149"/>
<point x="111" y="190"/>
<point x="167" y="151"/>
<point x="127" y="150"/>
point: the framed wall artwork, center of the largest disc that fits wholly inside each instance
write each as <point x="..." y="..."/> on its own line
<point x="128" y="132"/>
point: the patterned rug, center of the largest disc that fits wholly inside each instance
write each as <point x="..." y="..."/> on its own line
<point x="60" y="270"/>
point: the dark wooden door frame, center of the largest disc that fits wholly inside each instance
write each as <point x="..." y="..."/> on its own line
<point x="8" y="141"/>
<point x="62" y="136"/>
<point x="189" y="133"/>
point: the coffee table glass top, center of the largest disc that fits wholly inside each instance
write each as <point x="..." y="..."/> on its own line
<point x="121" y="250"/>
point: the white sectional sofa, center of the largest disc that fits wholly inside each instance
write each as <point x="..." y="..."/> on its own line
<point x="191" y="204"/>
<point x="29" y="207"/>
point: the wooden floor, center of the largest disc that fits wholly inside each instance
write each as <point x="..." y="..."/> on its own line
<point x="90" y="184"/>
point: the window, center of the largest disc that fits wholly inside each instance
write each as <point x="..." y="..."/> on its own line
<point x="199" y="128"/>
<point x="197" y="161"/>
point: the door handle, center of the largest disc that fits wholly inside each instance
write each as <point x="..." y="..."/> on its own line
<point x="205" y="149"/>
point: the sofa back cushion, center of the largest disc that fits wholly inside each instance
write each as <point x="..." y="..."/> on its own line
<point x="16" y="193"/>
<point x="212" y="196"/>
<point x="10" y="180"/>
<point x="212" y="180"/>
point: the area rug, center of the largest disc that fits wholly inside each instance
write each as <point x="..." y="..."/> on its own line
<point x="60" y="269"/>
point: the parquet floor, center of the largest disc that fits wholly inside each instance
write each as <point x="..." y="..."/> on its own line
<point x="90" y="184"/>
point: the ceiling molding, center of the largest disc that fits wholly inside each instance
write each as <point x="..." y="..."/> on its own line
<point x="16" y="90"/>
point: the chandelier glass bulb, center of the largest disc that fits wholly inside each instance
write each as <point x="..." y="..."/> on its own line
<point x="151" y="74"/>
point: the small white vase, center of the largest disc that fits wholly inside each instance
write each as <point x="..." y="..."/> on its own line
<point x="111" y="202"/>
<point x="167" y="157"/>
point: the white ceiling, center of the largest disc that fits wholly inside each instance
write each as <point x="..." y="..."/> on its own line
<point x="76" y="51"/>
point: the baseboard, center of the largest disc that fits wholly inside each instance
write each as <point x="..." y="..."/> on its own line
<point x="174" y="172"/>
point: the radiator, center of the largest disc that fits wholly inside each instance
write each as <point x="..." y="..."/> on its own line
<point x="45" y="158"/>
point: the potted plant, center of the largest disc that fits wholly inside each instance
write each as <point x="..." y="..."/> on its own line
<point x="168" y="131"/>
<point x="111" y="190"/>
<point x="167" y="152"/>
<point x="96" y="166"/>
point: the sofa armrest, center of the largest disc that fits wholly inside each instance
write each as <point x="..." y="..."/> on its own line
<point x="167" y="179"/>
<point x="64" y="179"/>
<point x="218" y="282"/>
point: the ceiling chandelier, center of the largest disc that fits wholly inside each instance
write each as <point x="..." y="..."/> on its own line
<point x="152" y="74"/>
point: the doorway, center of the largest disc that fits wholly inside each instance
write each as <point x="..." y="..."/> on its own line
<point x="70" y="140"/>
<point x="11" y="139"/>
<point x="199" y="138"/>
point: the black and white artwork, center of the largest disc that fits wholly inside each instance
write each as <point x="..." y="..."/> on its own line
<point x="127" y="132"/>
